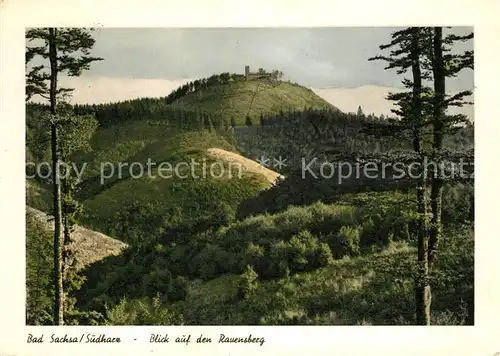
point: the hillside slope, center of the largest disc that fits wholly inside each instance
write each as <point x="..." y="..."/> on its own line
<point x="252" y="98"/>
<point x="367" y="279"/>
<point x="88" y="246"/>
<point x="376" y="289"/>
<point x="134" y="205"/>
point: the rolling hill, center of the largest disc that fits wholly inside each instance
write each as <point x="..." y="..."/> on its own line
<point x="252" y="98"/>
<point x="123" y="203"/>
<point x="223" y="102"/>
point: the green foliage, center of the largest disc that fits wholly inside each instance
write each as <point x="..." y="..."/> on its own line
<point x="253" y="256"/>
<point x="299" y="249"/>
<point x="248" y="121"/>
<point x="458" y="203"/>
<point x="147" y="311"/>
<point x="136" y="220"/>
<point x="40" y="285"/>
<point x="346" y="242"/>
<point x="277" y="262"/>
<point x="210" y="262"/>
<point x="248" y="283"/>
<point x="73" y="46"/>
<point x="280" y="246"/>
<point x="39" y="276"/>
<point x="38" y="195"/>
<point x="179" y="289"/>
<point x="322" y="256"/>
<point x="307" y="253"/>
<point x="37" y="134"/>
<point x="157" y="282"/>
<point x="372" y="289"/>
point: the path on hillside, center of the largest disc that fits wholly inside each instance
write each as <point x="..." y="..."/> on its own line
<point x="247" y="164"/>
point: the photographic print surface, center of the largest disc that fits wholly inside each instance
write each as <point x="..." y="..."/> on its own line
<point x="250" y="176"/>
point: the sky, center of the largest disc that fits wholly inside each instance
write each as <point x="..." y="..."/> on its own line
<point x="333" y="62"/>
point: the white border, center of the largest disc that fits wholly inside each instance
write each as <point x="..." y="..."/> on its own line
<point x="352" y="340"/>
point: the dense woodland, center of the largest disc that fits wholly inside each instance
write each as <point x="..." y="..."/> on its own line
<point x="300" y="251"/>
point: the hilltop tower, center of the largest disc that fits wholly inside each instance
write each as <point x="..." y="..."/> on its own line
<point x="247" y="72"/>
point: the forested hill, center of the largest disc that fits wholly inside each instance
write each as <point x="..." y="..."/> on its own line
<point x="221" y="102"/>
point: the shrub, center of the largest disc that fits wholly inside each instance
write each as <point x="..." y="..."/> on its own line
<point x="458" y="203"/>
<point x="142" y="312"/>
<point x="330" y="218"/>
<point x="346" y="242"/>
<point x="276" y="263"/>
<point x="292" y="221"/>
<point x="258" y="230"/>
<point x="179" y="289"/>
<point x="254" y="257"/>
<point x="135" y="221"/>
<point x="369" y="233"/>
<point x="157" y="282"/>
<point x="39" y="263"/>
<point x="307" y="253"/>
<point x="300" y="246"/>
<point x="223" y="215"/>
<point x="211" y="262"/>
<point x="248" y="283"/>
<point x="322" y="256"/>
<point x="402" y="231"/>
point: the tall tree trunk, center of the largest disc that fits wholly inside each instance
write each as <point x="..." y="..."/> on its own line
<point x="438" y="133"/>
<point x="58" y="263"/>
<point x="66" y="227"/>
<point x="422" y="289"/>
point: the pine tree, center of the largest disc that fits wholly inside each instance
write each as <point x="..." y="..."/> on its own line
<point x="407" y="56"/>
<point x="67" y="51"/>
<point x="75" y="136"/>
<point x="444" y="64"/>
<point x="423" y="114"/>
<point x="360" y="112"/>
<point x="208" y="123"/>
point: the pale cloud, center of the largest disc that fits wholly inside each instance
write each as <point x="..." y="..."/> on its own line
<point x="372" y="99"/>
<point x="98" y="90"/>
